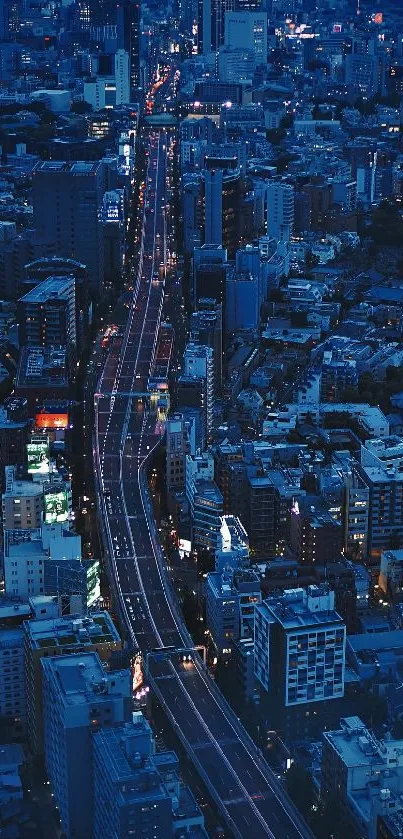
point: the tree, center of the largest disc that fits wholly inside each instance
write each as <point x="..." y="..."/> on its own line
<point x="300" y="787"/>
<point x="386" y="226"/>
<point x="81" y="108"/>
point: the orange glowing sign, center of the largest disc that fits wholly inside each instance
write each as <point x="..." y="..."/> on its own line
<point x="52" y="420"/>
<point x="377" y="17"/>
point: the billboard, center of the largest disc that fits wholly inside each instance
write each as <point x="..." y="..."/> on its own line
<point x="56" y="507"/>
<point x="93" y="582"/>
<point x="137" y="673"/>
<point x="52" y="420"/>
<point x="38" y="456"/>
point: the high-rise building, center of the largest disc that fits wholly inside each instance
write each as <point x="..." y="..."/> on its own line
<point x="67" y="200"/>
<point x="176" y="449"/>
<point x="22" y="502"/>
<point x="210" y="24"/>
<point x="247" y="30"/>
<point x="210" y="270"/>
<point x="129" y="795"/>
<point x="128" y="32"/>
<point x="316" y="534"/>
<point x="54" y="638"/>
<point x="47" y="316"/>
<point x="362" y="776"/>
<point x="232" y="546"/>
<point x="198" y="362"/>
<point x="206" y="328"/>
<point x="39" y="270"/>
<point x="138" y="791"/>
<point x="13" y="709"/>
<point x="231" y="597"/>
<point x="385" y="511"/>
<point x="79" y="698"/>
<point x="300" y="646"/>
<point x="206" y="504"/>
<point x="280" y="210"/>
<point x="102" y="13"/>
<point x="222" y="194"/>
<point x="122" y="77"/>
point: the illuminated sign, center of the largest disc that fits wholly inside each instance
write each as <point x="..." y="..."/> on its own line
<point x="377" y="18"/>
<point x="38" y="456"/>
<point x="52" y="420"/>
<point x="337" y="27"/>
<point x="56" y="507"/>
<point x="185" y="547"/>
<point x="93" y="583"/>
<point x="137" y="674"/>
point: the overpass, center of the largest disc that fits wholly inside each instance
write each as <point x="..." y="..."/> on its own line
<point x="246" y="792"/>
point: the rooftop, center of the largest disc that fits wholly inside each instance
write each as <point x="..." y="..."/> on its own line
<point x="299" y="608"/>
<point x="69" y="631"/>
<point x="52" y="287"/>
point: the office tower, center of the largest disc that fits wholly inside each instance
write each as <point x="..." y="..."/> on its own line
<point x="79" y="698"/>
<point x="210" y="269"/>
<point x="67" y="200"/>
<point x="129" y="794"/>
<point x="385" y="513"/>
<point x="206" y="328"/>
<point x="138" y="791"/>
<point x="231" y="597"/>
<point x="22" y="502"/>
<point x="176" y="448"/>
<point x="300" y="646"/>
<point x="261" y="513"/>
<point x="122" y="77"/>
<point x="39" y="270"/>
<point x="247" y="30"/>
<point x="115" y="225"/>
<point x="235" y="64"/>
<point x="102" y="13"/>
<point x="210" y="24"/>
<point x="53" y="638"/>
<point x="47" y="316"/>
<point x="12" y="684"/>
<point x="280" y="210"/>
<point x="242" y="301"/>
<point x="316" y="535"/>
<point x="365" y="73"/>
<point x="206" y="505"/>
<point x="222" y="194"/>
<point x="128" y="37"/>
<point x="191" y="396"/>
<point x="198" y="362"/>
<point x="362" y="775"/>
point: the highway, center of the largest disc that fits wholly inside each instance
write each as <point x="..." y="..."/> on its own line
<point x="246" y="792"/>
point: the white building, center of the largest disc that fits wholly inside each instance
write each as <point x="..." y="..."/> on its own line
<point x="79" y="698"/>
<point x="236" y="64"/>
<point x="300" y="646"/>
<point x="25" y="557"/>
<point x="233" y="545"/>
<point x="362" y="774"/>
<point x="391" y="573"/>
<point x="22" y="503"/>
<point x="280" y="210"/>
<point x="247" y="30"/>
<point x="198" y="361"/>
<point x="122" y="77"/>
<point x="371" y="417"/>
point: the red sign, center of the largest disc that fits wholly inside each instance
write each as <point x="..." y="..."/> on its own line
<point x="52" y="420"/>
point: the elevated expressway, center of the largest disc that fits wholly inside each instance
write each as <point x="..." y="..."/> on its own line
<point x="246" y="792"/>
